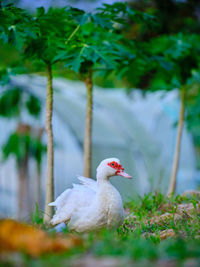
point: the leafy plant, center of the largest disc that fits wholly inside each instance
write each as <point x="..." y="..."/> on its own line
<point x="21" y="144"/>
<point x="181" y="54"/>
<point x="168" y="63"/>
<point x="98" y="46"/>
<point x="12" y="100"/>
<point x="46" y="45"/>
<point x="15" y="26"/>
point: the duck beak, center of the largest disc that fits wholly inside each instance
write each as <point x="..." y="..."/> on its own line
<point x="124" y="174"/>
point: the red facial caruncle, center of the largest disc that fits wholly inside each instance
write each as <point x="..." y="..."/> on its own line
<point x="116" y="166"/>
<point x="119" y="169"/>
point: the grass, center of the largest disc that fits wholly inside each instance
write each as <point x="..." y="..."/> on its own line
<point x="139" y="240"/>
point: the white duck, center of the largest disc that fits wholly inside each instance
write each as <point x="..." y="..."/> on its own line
<point x="92" y="204"/>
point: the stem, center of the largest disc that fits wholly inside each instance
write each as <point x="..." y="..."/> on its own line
<point x="73" y="33"/>
<point x="172" y="186"/>
<point x="50" y="156"/>
<point x="38" y="185"/>
<point x="23" y="208"/>
<point x="88" y="126"/>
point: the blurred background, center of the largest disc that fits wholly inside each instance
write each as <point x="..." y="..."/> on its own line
<point x="131" y="122"/>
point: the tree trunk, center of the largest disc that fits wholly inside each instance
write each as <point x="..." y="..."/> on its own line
<point x="38" y="134"/>
<point x="88" y="126"/>
<point x="38" y="185"/>
<point x="23" y="192"/>
<point x="172" y="186"/>
<point x="50" y="156"/>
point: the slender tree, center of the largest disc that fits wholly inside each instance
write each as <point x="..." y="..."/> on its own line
<point x="42" y="37"/>
<point x="36" y="152"/>
<point x="50" y="151"/>
<point x="166" y="60"/>
<point x="18" y="146"/>
<point x="172" y="185"/>
<point x="47" y="44"/>
<point x="98" y="46"/>
<point x="88" y="125"/>
<point x="178" y="56"/>
<point x="22" y="144"/>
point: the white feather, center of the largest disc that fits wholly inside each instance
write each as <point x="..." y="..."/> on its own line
<point x="70" y="201"/>
<point x="60" y="200"/>
<point x="92" y="184"/>
<point x="90" y="205"/>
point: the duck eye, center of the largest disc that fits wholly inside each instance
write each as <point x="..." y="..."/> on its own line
<point x="112" y="164"/>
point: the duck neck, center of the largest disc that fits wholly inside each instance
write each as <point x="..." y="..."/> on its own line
<point x="102" y="178"/>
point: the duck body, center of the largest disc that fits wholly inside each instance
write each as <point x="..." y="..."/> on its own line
<point x="91" y="205"/>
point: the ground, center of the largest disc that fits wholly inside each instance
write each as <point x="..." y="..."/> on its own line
<point x="158" y="231"/>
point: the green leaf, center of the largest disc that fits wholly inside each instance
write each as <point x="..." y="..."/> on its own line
<point x="33" y="105"/>
<point x="10" y="103"/>
<point x="40" y="11"/>
<point x="75" y="59"/>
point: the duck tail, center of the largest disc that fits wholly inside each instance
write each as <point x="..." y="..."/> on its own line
<point x="52" y="204"/>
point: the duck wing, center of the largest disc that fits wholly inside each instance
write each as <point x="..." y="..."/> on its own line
<point x="92" y="184"/>
<point x="73" y="199"/>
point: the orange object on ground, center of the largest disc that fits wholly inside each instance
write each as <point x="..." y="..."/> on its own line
<point x="17" y="236"/>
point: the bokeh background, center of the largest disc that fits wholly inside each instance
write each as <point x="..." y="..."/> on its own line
<point x="131" y="122"/>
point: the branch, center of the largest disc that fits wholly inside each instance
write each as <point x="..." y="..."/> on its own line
<point x="73" y="33"/>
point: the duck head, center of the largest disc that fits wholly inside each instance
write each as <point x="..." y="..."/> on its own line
<point x="111" y="167"/>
